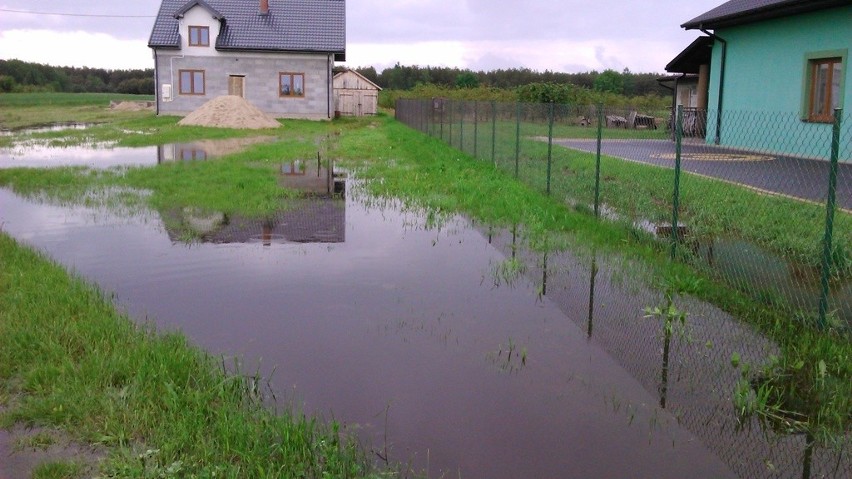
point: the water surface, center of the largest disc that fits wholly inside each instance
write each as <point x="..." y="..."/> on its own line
<point x="448" y="345"/>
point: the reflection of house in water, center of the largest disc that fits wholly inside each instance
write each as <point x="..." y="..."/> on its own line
<point x="204" y="149"/>
<point x="308" y="220"/>
<point x="180" y="152"/>
<point x="319" y="216"/>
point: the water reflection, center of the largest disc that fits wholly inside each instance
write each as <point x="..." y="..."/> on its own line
<point x="309" y="220"/>
<point x="394" y="332"/>
<point x="687" y="368"/>
<point x="41" y="154"/>
<point x="45" y="128"/>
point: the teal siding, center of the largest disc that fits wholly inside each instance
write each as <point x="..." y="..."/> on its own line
<point x="765" y="83"/>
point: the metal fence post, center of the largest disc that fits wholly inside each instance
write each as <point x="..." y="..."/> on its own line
<point x="461" y="126"/>
<point x="475" y="126"/>
<point x="676" y="194"/>
<point x="450" y="122"/>
<point x="549" y="144"/>
<point x="517" y="136"/>
<point x="829" y="218"/>
<point x="598" y="162"/>
<point x="493" y="132"/>
<point x="442" y="119"/>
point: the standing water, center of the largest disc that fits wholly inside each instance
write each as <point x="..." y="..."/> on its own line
<point x="428" y="341"/>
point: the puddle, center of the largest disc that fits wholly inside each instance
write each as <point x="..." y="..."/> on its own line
<point x="449" y="348"/>
<point x="40" y="155"/>
<point x="45" y="128"/>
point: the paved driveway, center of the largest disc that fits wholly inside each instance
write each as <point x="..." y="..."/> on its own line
<point x="796" y="177"/>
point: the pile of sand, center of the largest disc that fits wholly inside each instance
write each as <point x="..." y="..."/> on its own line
<point x="131" y="105"/>
<point x="230" y="112"/>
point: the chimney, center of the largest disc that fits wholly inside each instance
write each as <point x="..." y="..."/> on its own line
<point x="264" y="7"/>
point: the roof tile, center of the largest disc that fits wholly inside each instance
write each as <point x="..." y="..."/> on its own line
<point x="291" y="25"/>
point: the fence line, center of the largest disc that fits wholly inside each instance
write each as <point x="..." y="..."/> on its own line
<point x="768" y="211"/>
<point x="755" y="194"/>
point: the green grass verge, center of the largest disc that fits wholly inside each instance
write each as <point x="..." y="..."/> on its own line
<point x="160" y="406"/>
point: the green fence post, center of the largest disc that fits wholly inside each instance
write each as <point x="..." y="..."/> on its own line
<point x="829" y="217"/>
<point x="598" y="162"/>
<point x="461" y="126"/>
<point x="475" y="126"/>
<point x="549" y="144"/>
<point x="517" y="136"/>
<point x="442" y="118"/>
<point x="493" y="132"/>
<point x="676" y="195"/>
<point x="450" y="122"/>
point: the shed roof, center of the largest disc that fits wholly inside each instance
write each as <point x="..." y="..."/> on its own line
<point x="290" y="25"/>
<point x="738" y="12"/>
<point x="692" y="57"/>
<point x="353" y="72"/>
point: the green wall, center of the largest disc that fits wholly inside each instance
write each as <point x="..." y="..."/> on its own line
<point x="765" y="83"/>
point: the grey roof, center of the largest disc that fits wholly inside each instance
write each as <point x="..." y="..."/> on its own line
<point x="692" y="57"/>
<point x="290" y="25"/>
<point x="738" y="12"/>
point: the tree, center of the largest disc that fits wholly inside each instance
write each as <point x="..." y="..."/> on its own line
<point x="610" y="81"/>
<point x="467" y="79"/>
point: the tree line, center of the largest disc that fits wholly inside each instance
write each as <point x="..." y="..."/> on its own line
<point x="20" y="76"/>
<point x="625" y="83"/>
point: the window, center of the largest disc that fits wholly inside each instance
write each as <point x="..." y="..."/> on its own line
<point x="824" y="92"/>
<point x="199" y="36"/>
<point x="192" y="82"/>
<point x="291" y="84"/>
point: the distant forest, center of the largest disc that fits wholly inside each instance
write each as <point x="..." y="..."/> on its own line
<point x="20" y="76"/>
<point x="624" y="83"/>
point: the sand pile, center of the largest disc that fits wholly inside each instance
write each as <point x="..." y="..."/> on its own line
<point x="229" y="112"/>
<point x="131" y="105"/>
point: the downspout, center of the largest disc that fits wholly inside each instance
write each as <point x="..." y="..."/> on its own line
<point x="715" y="37"/>
<point x="156" y="84"/>
<point x="328" y="84"/>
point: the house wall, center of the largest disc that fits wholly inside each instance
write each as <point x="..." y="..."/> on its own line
<point x="261" y="82"/>
<point x="765" y="79"/>
<point x="261" y="71"/>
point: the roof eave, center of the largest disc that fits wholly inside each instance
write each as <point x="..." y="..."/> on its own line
<point x="792" y="7"/>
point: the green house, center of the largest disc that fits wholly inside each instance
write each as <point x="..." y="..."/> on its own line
<point x="774" y="74"/>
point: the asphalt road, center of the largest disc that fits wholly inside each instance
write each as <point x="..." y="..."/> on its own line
<point x="794" y="177"/>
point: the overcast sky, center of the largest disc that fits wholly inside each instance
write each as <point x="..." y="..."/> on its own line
<point x="564" y="36"/>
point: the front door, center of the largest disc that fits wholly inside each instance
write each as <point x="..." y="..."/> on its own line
<point x="237" y="85"/>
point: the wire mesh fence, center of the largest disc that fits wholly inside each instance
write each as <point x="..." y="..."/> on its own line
<point x="762" y="202"/>
<point x="750" y="194"/>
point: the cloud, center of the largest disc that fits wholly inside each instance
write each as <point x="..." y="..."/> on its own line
<point x="568" y="35"/>
<point x="76" y="48"/>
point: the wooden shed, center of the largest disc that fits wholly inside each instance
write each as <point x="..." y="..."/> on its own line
<point x="354" y="94"/>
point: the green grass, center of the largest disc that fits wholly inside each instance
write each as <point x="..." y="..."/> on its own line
<point x="19" y="110"/>
<point x="159" y="405"/>
<point x="791" y="229"/>
<point x="59" y="470"/>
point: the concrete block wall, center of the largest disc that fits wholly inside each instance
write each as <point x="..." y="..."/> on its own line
<point x="261" y="72"/>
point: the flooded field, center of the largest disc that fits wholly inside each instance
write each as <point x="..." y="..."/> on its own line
<point x="42" y="154"/>
<point x="448" y="347"/>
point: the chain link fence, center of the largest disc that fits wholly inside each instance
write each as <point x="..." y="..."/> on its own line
<point x="762" y="202"/>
